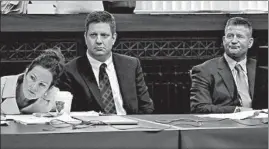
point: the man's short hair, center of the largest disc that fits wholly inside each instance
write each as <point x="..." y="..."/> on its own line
<point x="239" y="21"/>
<point x="100" y="17"/>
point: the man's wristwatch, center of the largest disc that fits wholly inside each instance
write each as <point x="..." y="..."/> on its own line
<point x="237" y="109"/>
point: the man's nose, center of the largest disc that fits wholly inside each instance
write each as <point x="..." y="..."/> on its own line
<point x="98" y="40"/>
<point x="235" y="39"/>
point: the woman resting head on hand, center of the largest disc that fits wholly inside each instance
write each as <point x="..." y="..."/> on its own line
<point x="33" y="91"/>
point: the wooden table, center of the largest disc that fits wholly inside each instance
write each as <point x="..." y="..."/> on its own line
<point x="144" y="135"/>
<point x="216" y="134"/>
<point x="190" y="132"/>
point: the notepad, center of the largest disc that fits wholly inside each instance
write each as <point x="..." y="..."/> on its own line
<point x="104" y="120"/>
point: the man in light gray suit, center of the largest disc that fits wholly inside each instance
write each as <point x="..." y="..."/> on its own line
<point x="226" y="84"/>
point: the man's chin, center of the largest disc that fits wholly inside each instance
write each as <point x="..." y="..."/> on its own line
<point x="235" y="56"/>
<point x="234" y="52"/>
<point x="100" y="53"/>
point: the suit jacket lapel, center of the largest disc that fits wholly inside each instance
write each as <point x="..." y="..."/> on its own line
<point x="251" y="70"/>
<point x="226" y="75"/>
<point x="121" y="75"/>
<point x="10" y="106"/>
<point x="87" y="74"/>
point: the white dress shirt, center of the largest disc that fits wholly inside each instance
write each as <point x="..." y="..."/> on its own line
<point x="232" y="64"/>
<point x="111" y="72"/>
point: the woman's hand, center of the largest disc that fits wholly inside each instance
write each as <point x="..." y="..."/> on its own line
<point x="50" y="97"/>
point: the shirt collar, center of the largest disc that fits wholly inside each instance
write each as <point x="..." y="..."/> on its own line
<point x="232" y="62"/>
<point x="96" y="64"/>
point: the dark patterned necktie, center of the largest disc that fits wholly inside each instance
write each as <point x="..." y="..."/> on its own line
<point x="242" y="87"/>
<point x="106" y="91"/>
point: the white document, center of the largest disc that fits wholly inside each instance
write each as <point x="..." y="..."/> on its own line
<point x="31" y="119"/>
<point x="4" y="123"/>
<point x="3" y="118"/>
<point x="239" y="115"/>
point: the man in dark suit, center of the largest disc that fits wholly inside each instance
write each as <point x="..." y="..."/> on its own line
<point x="102" y="80"/>
<point x="226" y="84"/>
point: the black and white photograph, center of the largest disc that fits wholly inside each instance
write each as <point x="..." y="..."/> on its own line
<point x="134" y="74"/>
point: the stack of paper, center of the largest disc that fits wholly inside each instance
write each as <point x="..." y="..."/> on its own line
<point x="31" y="119"/>
<point x="240" y="115"/>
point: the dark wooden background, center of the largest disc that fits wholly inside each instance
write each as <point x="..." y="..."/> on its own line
<point x="167" y="45"/>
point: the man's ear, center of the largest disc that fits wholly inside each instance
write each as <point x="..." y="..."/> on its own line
<point x="114" y="36"/>
<point x="85" y="38"/>
<point x="251" y="41"/>
<point x="85" y="35"/>
<point x="223" y="39"/>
